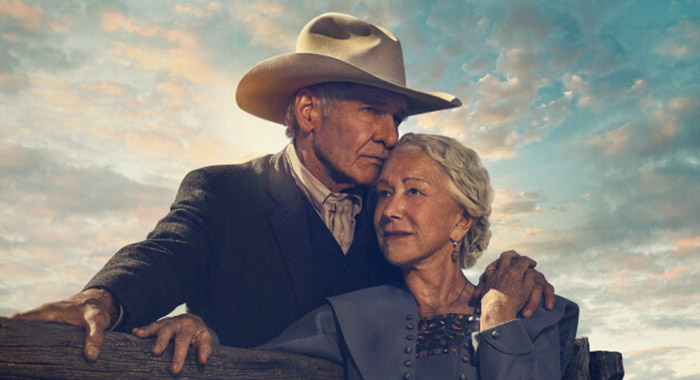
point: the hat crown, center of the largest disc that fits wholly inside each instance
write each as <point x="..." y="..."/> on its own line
<point x="370" y="48"/>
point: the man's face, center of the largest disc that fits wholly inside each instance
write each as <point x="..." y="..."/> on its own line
<point x="353" y="141"/>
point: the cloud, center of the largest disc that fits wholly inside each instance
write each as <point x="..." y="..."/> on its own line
<point x="614" y="141"/>
<point x="107" y="88"/>
<point x="186" y="59"/>
<point x="507" y="202"/>
<point x="34" y="179"/>
<point x="30" y="16"/>
<point x="682" y="40"/>
<point x="268" y="24"/>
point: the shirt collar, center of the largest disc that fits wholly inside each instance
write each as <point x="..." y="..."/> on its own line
<point x="315" y="190"/>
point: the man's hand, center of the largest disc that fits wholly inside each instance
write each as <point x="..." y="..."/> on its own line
<point x="542" y="287"/>
<point x="92" y="309"/>
<point x="187" y="330"/>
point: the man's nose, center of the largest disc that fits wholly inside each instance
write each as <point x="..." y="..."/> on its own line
<point x="387" y="132"/>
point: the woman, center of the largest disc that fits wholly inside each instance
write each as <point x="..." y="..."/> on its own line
<point x="431" y="218"/>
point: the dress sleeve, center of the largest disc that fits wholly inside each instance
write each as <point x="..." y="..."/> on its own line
<point x="315" y="334"/>
<point x="151" y="277"/>
<point x="514" y="351"/>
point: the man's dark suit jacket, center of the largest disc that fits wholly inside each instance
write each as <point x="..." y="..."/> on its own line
<point x="235" y="247"/>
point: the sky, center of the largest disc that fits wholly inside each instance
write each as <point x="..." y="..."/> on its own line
<point x="585" y="113"/>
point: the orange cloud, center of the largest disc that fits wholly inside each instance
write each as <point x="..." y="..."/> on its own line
<point x="104" y="88"/>
<point x="30" y="15"/>
<point x="153" y="144"/>
<point x="612" y="142"/>
<point x="684" y="247"/>
<point x="113" y="21"/>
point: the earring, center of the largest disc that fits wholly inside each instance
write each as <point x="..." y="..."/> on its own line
<point x="455" y="254"/>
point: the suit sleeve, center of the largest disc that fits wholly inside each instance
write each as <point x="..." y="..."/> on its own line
<point x="153" y="276"/>
<point x="511" y="351"/>
<point x="315" y="334"/>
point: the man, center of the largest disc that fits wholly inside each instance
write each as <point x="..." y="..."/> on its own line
<point x="252" y="247"/>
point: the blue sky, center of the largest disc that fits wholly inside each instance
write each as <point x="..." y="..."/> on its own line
<point x="586" y="113"/>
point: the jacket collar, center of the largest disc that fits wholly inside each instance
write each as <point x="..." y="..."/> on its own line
<point x="375" y="326"/>
<point x="287" y="216"/>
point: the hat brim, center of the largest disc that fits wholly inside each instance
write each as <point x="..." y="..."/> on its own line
<point x="265" y="91"/>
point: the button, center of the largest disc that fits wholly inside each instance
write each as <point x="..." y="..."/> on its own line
<point x="410" y="326"/>
<point x="409" y="316"/>
<point x="465" y="359"/>
<point x="466" y="345"/>
<point x="495" y="334"/>
<point x="408" y="363"/>
<point x="406" y="376"/>
<point x="462" y="376"/>
<point x="471" y="318"/>
<point x="408" y="349"/>
<point x="410" y="337"/>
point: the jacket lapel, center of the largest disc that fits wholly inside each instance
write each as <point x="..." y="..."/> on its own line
<point x="377" y="324"/>
<point x="290" y="227"/>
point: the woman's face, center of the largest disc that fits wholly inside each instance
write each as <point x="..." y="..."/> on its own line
<point x="416" y="216"/>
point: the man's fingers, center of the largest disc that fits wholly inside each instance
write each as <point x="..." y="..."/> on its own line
<point x="548" y="294"/>
<point x="42" y="313"/>
<point x="165" y="333"/>
<point x="182" y="344"/>
<point x="94" y="335"/>
<point x="533" y="302"/>
<point x="147" y="331"/>
<point x="203" y="342"/>
<point x="522" y="264"/>
<point x="506" y="258"/>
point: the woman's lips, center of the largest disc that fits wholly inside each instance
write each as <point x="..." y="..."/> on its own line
<point x="391" y="235"/>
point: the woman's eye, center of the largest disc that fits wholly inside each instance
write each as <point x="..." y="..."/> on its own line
<point x="383" y="194"/>
<point x="414" y="191"/>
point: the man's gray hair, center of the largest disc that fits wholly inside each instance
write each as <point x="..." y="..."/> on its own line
<point x="328" y="94"/>
<point x="468" y="183"/>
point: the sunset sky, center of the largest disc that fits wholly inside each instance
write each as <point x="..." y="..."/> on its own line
<point x="586" y="114"/>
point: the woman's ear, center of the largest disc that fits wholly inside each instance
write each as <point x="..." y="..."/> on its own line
<point x="464" y="223"/>
<point x="307" y="110"/>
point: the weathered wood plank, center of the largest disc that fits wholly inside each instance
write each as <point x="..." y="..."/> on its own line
<point x="38" y="350"/>
<point x="579" y="365"/>
<point x="606" y="365"/>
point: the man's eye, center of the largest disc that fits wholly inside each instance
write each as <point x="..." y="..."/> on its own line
<point x="371" y="110"/>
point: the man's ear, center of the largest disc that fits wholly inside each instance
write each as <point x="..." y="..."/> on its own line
<point x="307" y="109"/>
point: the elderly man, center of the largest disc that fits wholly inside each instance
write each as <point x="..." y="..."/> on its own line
<point x="252" y="247"/>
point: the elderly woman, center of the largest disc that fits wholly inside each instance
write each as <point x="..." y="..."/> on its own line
<point x="431" y="218"/>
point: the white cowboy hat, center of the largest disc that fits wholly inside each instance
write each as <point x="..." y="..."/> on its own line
<point x="334" y="47"/>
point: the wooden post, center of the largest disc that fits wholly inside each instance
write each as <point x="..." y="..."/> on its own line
<point x="39" y="350"/>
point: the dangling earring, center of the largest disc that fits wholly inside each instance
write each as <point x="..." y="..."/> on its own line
<point x="455" y="254"/>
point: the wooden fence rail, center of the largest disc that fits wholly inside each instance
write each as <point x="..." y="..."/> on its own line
<point x="39" y="350"/>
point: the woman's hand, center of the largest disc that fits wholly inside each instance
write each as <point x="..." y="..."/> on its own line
<point x="187" y="330"/>
<point x="542" y="287"/>
<point x="509" y="286"/>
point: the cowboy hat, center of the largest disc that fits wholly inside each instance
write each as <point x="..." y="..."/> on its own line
<point x="334" y="47"/>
